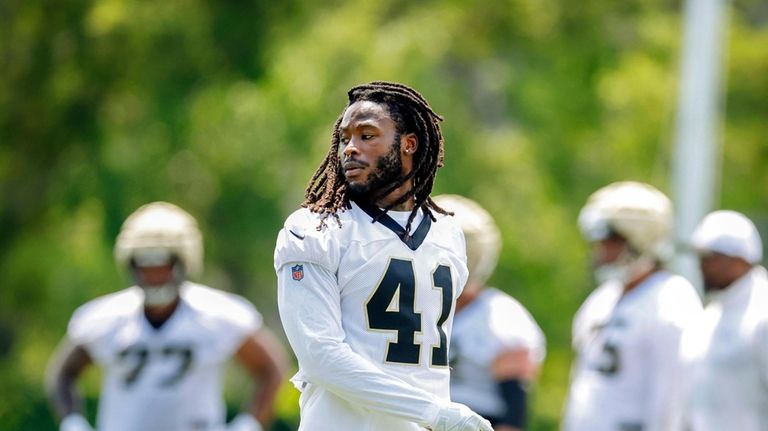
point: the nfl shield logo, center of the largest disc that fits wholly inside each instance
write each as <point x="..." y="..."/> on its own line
<point x="297" y="272"/>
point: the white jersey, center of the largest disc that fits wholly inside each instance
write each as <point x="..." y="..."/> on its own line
<point x="627" y="371"/>
<point x="726" y="355"/>
<point x="368" y="316"/>
<point x="490" y="324"/>
<point x="169" y="378"/>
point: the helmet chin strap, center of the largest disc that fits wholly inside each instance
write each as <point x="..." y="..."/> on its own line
<point x="625" y="269"/>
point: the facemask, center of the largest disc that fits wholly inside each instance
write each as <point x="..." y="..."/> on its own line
<point x="612" y="272"/>
<point x="624" y="269"/>
<point x="157" y="296"/>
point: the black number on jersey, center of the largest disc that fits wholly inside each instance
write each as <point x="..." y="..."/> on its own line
<point x="391" y="307"/>
<point x="441" y="279"/>
<point x="183" y="355"/>
<point x="397" y="314"/>
<point x="139" y="356"/>
<point x="610" y="363"/>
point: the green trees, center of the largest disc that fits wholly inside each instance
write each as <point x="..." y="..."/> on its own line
<point x="225" y="109"/>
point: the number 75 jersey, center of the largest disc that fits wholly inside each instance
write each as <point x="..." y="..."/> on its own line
<point x="627" y="373"/>
<point x="395" y="294"/>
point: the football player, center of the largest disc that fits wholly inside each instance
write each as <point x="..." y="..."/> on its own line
<point x="727" y="352"/>
<point x="496" y="346"/>
<point x="627" y="333"/>
<point x="368" y="273"/>
<point x="163" y="343"/>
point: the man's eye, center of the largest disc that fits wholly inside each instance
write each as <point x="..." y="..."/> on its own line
<point x="366" y="137"/>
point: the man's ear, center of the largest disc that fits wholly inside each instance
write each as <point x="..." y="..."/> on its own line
<point x="409" y="143"/>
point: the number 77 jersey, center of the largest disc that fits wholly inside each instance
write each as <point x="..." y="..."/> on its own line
<point x="167" y="378"/>
<point x="395" y="294"/>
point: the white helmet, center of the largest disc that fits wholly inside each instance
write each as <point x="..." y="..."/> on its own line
<point x="480" y="232"/>
<point x="730" y="233"/>
<point x="638" y="212"/>
<point x="157" y="231"/>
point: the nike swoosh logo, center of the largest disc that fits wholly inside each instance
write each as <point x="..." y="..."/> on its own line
<point x="301" y="237"/>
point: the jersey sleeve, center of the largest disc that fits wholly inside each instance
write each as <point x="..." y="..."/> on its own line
<point x="514" y="328"/>
<point x="310" y="310"/>
<point x="678" y="307"/>
<point x="760" y="347"/>
<point x="759" y="340"/>
<point x="230" y="316"/>
<point x="301" y="241"/>
<point x="243" y="321"/>
<point x="93" y="322"/>
<point x="665" y="394"/>
<point x="82" y="328"/>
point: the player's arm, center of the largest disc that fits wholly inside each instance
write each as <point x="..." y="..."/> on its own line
<point x="521" y="348"/>
<point x="760" y="346"/>
<point x="677" y="311"/>
<point x="665" y="365"/>
<point x="66" y="367"/>
<point x="310" y="310"/>
<point x="514" y="370"/>
<point x="262" y="355"/>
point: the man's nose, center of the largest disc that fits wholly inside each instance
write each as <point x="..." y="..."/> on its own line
<point x="350" y="148"/>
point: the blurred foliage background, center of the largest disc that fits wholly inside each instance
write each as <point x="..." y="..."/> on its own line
<point x="225" y="108"/>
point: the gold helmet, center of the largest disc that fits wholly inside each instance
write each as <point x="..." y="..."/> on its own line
<point x="638" y="212"/>
<point x="480" y="232"/>
<point x="155" y="233"/>
<point x="641" y="215"/>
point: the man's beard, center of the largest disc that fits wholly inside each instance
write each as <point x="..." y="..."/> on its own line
<point x="386" y="176"/>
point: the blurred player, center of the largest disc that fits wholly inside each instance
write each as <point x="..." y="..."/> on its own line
<point x="163" y="343"/>
<point x="627" y="333"/>
<point x="368" y="272"/>
<point x="727" y="352"/>
<point x="496" y="346"/>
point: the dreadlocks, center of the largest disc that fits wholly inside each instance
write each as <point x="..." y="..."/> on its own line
<point x="327" y="192"/>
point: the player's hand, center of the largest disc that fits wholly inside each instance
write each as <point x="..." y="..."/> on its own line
<point x="244" y="422"/>
<point x="458" y="417"/>
<point x="75" y="422"/>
